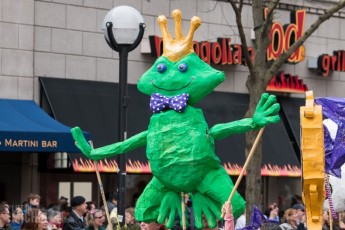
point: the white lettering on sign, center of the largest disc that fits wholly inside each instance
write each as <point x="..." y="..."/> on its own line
<point x="20" y="143"/>
<point x="49" y="144"/>
<point x="29" y="143"/>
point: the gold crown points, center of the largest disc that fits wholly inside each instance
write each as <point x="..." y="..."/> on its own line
<point x="175" y="49"/>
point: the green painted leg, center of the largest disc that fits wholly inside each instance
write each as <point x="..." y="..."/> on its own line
<point x="147" y="207"/>
<point x="218" y="186"/>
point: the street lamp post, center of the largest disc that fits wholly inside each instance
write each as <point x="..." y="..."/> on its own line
<point x="123" y="29"/>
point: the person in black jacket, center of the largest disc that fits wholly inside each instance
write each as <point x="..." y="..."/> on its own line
<point x="76" y="221"/>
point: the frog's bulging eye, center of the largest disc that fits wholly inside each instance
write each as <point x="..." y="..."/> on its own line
<point x="161" y="67"/>
<point x="182" y="67"/>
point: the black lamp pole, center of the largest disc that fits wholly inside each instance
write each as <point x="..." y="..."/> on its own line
<point x="123" y="50"/>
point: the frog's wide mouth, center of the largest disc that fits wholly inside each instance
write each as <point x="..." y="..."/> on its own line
<point x="185" y="86"/>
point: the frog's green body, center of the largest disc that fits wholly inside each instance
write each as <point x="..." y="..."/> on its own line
<point x="175" y="158"/>
<point x="180" y="146"/>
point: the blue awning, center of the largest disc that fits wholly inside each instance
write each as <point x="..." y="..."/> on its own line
<point x="25" y="127"/>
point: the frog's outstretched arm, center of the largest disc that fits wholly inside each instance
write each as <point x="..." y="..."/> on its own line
<point x="131" y="143"/>
<point x="267" y="112"/>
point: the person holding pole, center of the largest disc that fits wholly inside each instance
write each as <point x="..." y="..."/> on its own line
<point x="228" y="217"/>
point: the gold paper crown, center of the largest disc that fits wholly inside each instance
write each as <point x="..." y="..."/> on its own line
<point x="175" y="49"/>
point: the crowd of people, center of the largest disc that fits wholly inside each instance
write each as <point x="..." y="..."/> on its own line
<point x="293" y="218"/>
<point x="82" y="215"/>
<point x="78" y="215"/>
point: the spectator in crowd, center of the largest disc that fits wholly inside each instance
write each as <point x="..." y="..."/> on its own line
<point x="342" y="219"/>
<point x="336" y="224"/>
<point x="91" y="206"/>
<point x="269" y="226"/>
<point x="150" y="226"/>
<point x="301" y="217"/>
<point x="54" y="219"/>
<point x="296" y="199"/>
<point x="325" y="220"/>
<point x="241" y="221"/>
<point x="5" y="217"/>
<point x="112" y="201"/>
<point x="130" y="221"/>
<point x="33" y="202"/>
<point x="271" y="212"/>
<point x="97" y="220"/>
<point x="76" y="221"/>
<point x="290" y="219"/>
<point x="42" y="222"/>
<point x="5" y="204"/>
<point x="65" y="211"/>
<point x="228" y="217"/>
<point x="63" y="201"/>
<point x="64" y="208"/>
<point x="30" y="218"/>
<point x="17" y="218"/>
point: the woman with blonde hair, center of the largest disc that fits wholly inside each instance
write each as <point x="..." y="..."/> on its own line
<point x="96" y="221"/>
<point x="131" y="223"/>
<point x="290" y="219"/>
<point x="42" y="222"/>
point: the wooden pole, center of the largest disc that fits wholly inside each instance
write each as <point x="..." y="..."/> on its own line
<point x="330" y="217"/>
<point x="250" y="155"/>
<point x="102" y="191"/>
<point x="183" y="205"/>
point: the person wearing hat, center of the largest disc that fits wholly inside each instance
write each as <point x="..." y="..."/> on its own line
<point x="76" y="221"/>
<point x="301" y="217"/>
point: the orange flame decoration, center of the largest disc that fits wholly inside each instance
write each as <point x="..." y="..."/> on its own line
<point x="282" y="82"/>
<point x="86" y="165"/>
<point x="110" y="166"/>
<point x="266" y="170"/>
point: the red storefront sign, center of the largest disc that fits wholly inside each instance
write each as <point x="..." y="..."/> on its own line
<point x="326" y="63"/>
<point x="223" y="52"/>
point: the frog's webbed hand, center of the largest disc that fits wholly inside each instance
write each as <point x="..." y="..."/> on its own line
<point x="267" y="111"/>
<point x="131" y="143"/>
<point x="81" y="142"/>
<point x="205" y="205"/>
<point x="171" y="203"/>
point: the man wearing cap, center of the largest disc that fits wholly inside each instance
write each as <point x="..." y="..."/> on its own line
<point x="76" y="221"/>
<point x="300" y="216"/>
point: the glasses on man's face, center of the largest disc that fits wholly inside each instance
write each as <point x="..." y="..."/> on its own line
<point x="99" y="217"/>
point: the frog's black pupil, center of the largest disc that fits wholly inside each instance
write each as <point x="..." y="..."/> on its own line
<point x="182" y="67"/>
<point x="161" y="68"/>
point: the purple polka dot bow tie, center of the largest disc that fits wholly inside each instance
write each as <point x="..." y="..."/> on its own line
<point x="159" y="102"/>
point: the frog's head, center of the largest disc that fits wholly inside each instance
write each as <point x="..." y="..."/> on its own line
<point x="179" y="70"/>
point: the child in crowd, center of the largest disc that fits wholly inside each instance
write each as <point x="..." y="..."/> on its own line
<point x="33" y="202"/>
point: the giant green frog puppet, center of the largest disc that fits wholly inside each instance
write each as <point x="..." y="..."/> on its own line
<point x="179" y="143"/>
